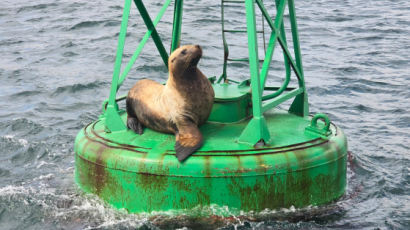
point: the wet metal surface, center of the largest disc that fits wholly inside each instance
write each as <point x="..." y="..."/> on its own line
<point x="310" y="173"/>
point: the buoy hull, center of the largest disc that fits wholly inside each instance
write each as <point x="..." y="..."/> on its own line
<point x="142" y="174"/>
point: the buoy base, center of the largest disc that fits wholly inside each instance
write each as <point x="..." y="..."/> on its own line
<point x="140" y="173"/>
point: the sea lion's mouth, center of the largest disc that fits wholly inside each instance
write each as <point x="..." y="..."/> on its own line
<point x="194" y="61"/>
<point x="196" y="55"/>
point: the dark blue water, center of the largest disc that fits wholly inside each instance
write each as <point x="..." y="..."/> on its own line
<point x="56" y="61"/>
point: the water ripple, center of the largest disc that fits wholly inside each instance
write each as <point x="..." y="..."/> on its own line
<point x="56" y="64"/>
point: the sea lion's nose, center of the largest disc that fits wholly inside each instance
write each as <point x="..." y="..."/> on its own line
<point x="198" y="47"/>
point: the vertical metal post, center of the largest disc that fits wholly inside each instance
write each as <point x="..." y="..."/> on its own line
<point x="300" y="105"/>
<point x="256" y="130"/>
<point x="253" y="54"/>
<point x="113" y="119"/>
<point x="225" y="44"/>
<point x="295" y="38"/>
<point x="176" y="30"/>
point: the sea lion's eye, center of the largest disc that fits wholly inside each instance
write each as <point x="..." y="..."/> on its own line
<point x="183" y="51"/>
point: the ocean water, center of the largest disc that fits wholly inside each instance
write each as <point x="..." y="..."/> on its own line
<point x="56" y="63"/>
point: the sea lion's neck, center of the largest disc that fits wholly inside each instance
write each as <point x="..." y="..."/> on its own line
<point x="187" y="77"/>
<point x="190" y="73"/>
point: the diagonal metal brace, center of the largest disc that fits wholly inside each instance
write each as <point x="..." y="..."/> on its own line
<point x="272" y="42"/>
<point x="142" y="44"/>
<point x="155" y="36"/>
<point x="281" y="42"/>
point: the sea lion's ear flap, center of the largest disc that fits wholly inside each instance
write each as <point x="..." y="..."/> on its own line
<point x="188" y="140"/>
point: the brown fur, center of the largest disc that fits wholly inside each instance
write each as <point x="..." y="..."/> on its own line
<point x="179" y="107"/>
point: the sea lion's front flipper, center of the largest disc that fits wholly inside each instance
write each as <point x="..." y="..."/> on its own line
<point x="188" y="140"/>
<point x="134" y="124"/>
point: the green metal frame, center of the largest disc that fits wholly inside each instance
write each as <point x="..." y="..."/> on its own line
<point x="223" y="77"/>
<point x="176" y="30"/>
<point x="112" y="112"/>
<point x="256" y="129"/>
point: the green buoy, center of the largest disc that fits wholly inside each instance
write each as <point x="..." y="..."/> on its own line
<point x="254" y="156"/>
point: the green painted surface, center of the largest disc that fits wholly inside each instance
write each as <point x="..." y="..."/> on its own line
<point x="302" y="162"/>
<point x="141" y="173"/>
<point x="232" y="103"/>
<point x="230" y="92"/>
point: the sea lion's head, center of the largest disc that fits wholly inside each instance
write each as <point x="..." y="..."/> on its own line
<point x="184" y="60"/>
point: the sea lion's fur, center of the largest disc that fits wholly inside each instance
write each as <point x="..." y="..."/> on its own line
<point x="179" y="106"/>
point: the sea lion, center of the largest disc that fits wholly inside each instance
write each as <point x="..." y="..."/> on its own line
<point x="179" y="106"/>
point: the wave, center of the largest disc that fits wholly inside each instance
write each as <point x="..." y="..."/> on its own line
<point x="88" y="24"/>
<point x="37" y="7"/>
<point x="79" y="87"/>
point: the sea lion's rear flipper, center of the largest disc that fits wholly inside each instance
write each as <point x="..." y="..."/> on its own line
<point x="188" y="140"/>
<point x="134" y="124"/>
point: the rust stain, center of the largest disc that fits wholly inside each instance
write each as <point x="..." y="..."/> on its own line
<point x="99" y="171"/>
<point x="263" y="167"/>
<point x="83" y="178"/>
<point x="207" y="166"/>
<point x="153" y="186"/>
<point x="302" y="182"/>
<point x="239" y="168"/>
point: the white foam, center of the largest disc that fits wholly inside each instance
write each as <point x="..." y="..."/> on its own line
<point x="42" y="163"/>
<point x="21" y="141"/>
<point x="48" y="176"/>
<point x="95" y="213"/>
<point x="11" y="190"/>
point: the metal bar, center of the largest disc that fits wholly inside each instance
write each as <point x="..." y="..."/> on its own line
<point x="241" y="59"/>
<point x="142" y="44"/>
<point x="275" y="88"/>
<point x="233" y="1"/>
<point x="113" y="119"/>
<point x="253" y="59"/>
<point x="300" y="105"/>
<point x="155" y="36"/>
<point x="120" y="50"/>
<point x="176" y="30"/>
<point x="263" y="34"/>
<point x="225" y="44"/>
<point x="295" y="38"/>
<point x="256" y="130"/>
<point x="284" y="97"/>
<point x="272" y="42"/>
<point x="281" y="42"/>
<point x="286" y="62"/>
<point x="285" y="83"/>
<point x="241" y="31"/>
<point x="238" y="59"/>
